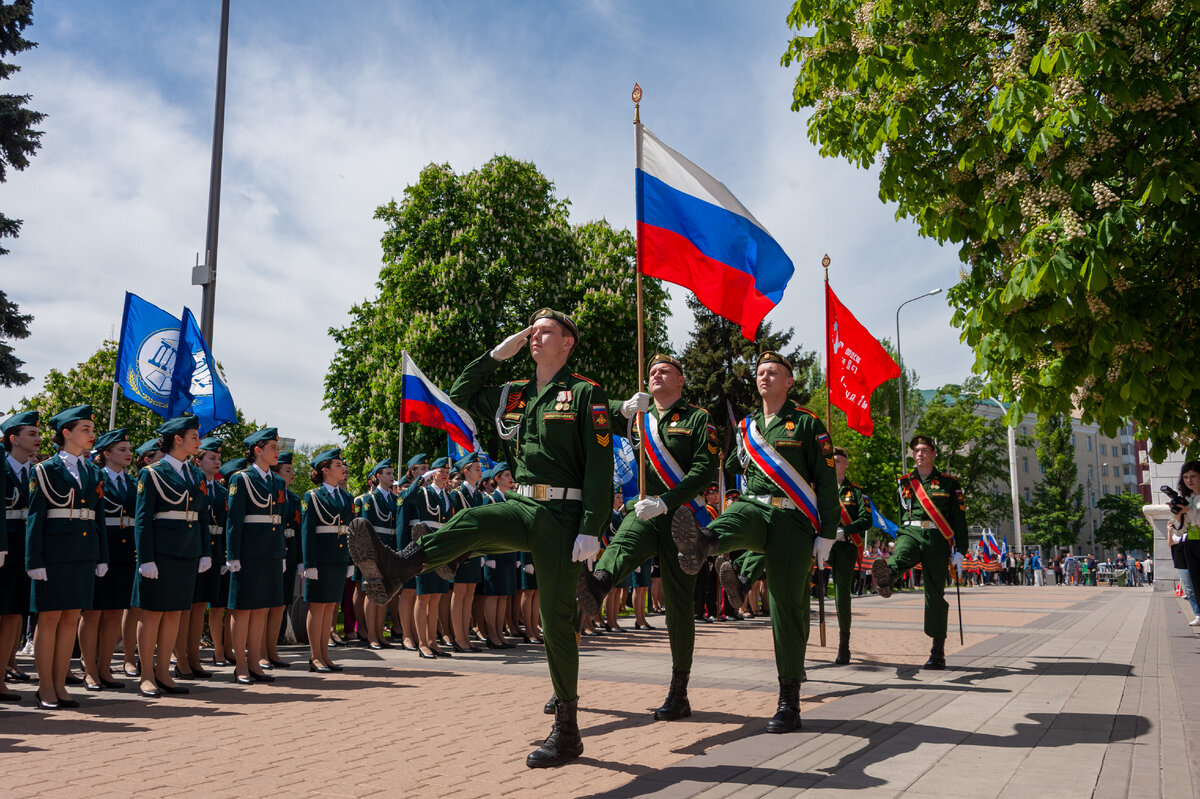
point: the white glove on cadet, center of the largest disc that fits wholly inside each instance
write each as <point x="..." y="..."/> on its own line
<point x="821" y="549"/>
<point x="649" y="507"/>
<point x="299" y="569"/>
<point x="491" y="564"/>
<point x="235" y="566"/>
<point x="101" y="569"/>
<point x="511" y="345"/>
<point x="205" y="565"/>
<point x="587" y="547"/>
<point x="149" y="570"/>
<point x="349" y="572"/>
<point x="638" y="403"/>
<point x="310" y="574"/>
<point x="841" y="535"/>
<point x="37" y="574"/>
<point x="529" y="568"/>
<point x="3" y="555"/>
<point x="224" y="568"/>
<point x="283" y="565"/>
<point x="957" y="559"/>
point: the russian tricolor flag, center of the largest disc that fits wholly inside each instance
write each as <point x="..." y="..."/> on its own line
<point x="423" y="402"/>
<point x="693" y="232"/>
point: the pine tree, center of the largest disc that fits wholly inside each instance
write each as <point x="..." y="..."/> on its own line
<point x="1055" y="516"/>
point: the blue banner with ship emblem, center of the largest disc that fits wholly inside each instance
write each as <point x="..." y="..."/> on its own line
<point x="146" y="355"/>
<point x="198" y="385"/>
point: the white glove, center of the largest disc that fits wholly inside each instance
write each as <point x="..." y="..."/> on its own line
<point x="649" y="507"/>
<point x="511" y="345"/>
<point x="149" y="570"/>
<point x="491" y="564"/>
<point x="957" y="559"/>
<point x="841" y="535"/>
<point x="235" y="566"/>
<point x="821" y="549"/>
<point x="638" y="570"/>
<point x="529" y="568"/>
<point x="283" y="564"/>
<point x="349" y="571"/>
<point x="299" y="569"/>
<point x="638" y="403"/>
<point x="205" y="565"/>
<point x="101" y="569"/>
<point x="37" y="574"/>
<point x="224" y="568"/>
<point x="3" y="555"/>
<point x="587" y="547"/>
<point x="310" y="574"/>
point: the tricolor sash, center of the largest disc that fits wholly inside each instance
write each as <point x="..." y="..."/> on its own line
<point x="855" y="537"/>
<point x="779" y="471"/>
<point x="666" y="467"/>
<point x="943" y="524"/>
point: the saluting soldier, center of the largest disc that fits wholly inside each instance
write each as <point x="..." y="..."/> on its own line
<point x="933" y="534"/>
<point x="65" y="549"/>
<point x="377" y="506"/>
<point x="221" y="629"/>
<point x="100" y="627"/>
<point x="789" y="513"/>
<point x="560" y="440"/>
<point x="173" y="547"/>
<point x="191" y="624"/>
<point x="681" y="449"/>
<point x="22" y="436"/>
<point x="326" y="512"/>
<point x="276" y="616"/>
<point x="469" y="574"/>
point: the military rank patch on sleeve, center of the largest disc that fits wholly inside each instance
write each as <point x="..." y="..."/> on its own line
<point x="962" y="500"/>
<point x="599" y="416"/>
<point x="712" y="440"/>
<point x="826" y="444"/>
<point x="304" y="505"/>
<point x="604" y="440"/>
<point x="141" y="485"/>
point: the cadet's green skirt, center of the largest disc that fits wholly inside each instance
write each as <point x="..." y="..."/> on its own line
<point x="289" y="578"/>
<point x="502" y="580"/>
<point x="172" y="590"/>
<point x="114" y="590"/>
<point x="69" y="587"/>
<point x="329" y="585"/>
<point x="258" y="584"/>
<point x="430" y="583"/>
<point x="469" y="572"/>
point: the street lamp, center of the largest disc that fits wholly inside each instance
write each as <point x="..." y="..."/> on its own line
<point x="903" y="451"/>
<point x="1012" y="469"/>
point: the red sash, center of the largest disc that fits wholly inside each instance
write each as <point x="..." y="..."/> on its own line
<point x="943" y="525"/>
<point x="855" y="537"/>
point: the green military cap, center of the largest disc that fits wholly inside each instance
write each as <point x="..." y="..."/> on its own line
<point x="80" y="413"/>
<point x="616" y="488"/>
<point x="211" y="444"/>
<point x="662" y="357"/>
<point x="557" y="316"/>
<point x="386" y="463"/>
<point x="327" y="455"/>
<point x="261" y="436"/>
<point x="147" y="448"/>
<point x="465" y="461"/>
<point x="440" y="463"/>
<point x="22" y="419"/>
<point x="286" y="457"/>
<point x="228" y="468"/>
<point x="488" y="473"/>
<point x="770" y="356"/>
<point x="111" y="437"/>
<point x="922" y="439"/>
<point x="500" y="468"/>
<point x="418" y="459"/>
<point x="176" y="425"/>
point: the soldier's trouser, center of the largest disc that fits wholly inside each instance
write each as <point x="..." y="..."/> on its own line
<point x="545" y="529"/>
<point x="843" y="560"/>
<point x="785" y="537"/>
<point x="633" y="543"/>
<point x="929" y="548"/>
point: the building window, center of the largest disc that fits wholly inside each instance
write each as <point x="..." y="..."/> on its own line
<point x="1025" y="465"/>
<point x="1042" y="466"/>
<point x="1091" y="471"/>
<point x="1104" y="449"/>
<point x="1124" y="449"/>
<point x="1073" y="442"/>
<point x="1028" y="497"/>
<point x="1089" y="443"/>
<point x="1104" y="471"/>
<point x="1107" y="491"/>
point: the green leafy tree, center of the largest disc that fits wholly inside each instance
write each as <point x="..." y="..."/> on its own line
<point x="1054" y="144"/>
<point x="466" y="259"/>
<point x="1055" y="516"/>
<point x="1123" y="527"/>
<point x="19" y="140"/>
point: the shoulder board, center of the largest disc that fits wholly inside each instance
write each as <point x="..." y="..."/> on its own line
<point x="362" y="497"/>
<point x="587" y="380"/>
<point x="854" y="484"/>
<point x="810" y="413"/>
<point x="518" y="383"/>
<point x="949" y="477"/>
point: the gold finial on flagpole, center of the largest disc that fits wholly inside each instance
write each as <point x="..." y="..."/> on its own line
<point x="637" y="101"/>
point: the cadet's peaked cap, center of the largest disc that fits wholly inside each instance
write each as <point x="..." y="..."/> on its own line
<point x="557" y="316"/>
<point x="386" y="463"/>
<point x="286" y="457"/>
<point x="488" y="473"/>
<point x="922" y="439"/>
<point x="465" y="461"/>
<point x="177" y="424"/>
<point x="327" y="455"/>
<point x="111" y="437"/>
<point x="147" y="448"/>
<point x="417" y="460"/>
<point x="261" y="436"/>
<point x="771" y="356"/>
<point x="21" y="419"/>
<point x="80" y="413"/>
<point x="440" y="463"/>
<point x="211" y="444"/>
<point x="228" y="468"/>
<point x="662" y="357"/>
<point x="500" y="468"/>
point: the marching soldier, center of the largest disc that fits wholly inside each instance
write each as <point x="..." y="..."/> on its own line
<point x="681" y="449"/>
<point x="933" y="534"/>
<point x="22" y="435"/>
<point x="378" y="506"/>
<point x="789" y="513"/>
<point x="561" y="443"/>
<point x="326" y="512"/>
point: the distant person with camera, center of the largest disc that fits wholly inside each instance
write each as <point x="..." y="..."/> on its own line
<point x="1184" y="531"/>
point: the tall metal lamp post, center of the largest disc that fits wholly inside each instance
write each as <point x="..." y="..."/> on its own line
<point x="903" y="450"/>
<point x="1012" y="470"/>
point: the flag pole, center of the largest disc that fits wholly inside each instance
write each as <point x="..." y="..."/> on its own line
<point x="641" y="335"/>
<point x="828" y="352"/>
<point x="112" y="407"/>
<point x="400" y="446"/>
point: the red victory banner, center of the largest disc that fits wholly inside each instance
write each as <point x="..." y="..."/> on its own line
<point x="858" y="363"/>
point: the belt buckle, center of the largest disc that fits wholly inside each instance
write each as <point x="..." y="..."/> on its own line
<point x="539" y="491"/>
<point x="777" y="502"/>
<point x="341" y="529"/>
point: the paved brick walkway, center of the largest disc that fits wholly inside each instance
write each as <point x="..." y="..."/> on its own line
<point x="1057" y="692"/>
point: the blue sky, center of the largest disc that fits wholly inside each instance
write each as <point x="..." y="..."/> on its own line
<point x="333" y="109"/>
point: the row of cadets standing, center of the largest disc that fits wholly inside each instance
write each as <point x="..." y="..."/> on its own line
<point x="208" y="583"/>
<point x="326" y="513"/>
<point x="22" y="436"/>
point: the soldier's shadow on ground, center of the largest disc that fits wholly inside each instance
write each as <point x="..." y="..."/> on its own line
<point x="877" y="743"/>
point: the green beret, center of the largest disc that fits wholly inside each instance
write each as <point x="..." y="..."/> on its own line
<point x="662" y="357"/>
<point x="386" y="463"/>
<point x="147" y="448"/>
<point x="228" y="468"/>
<point x="111" y="437"/>
<point x="327" y="455"/>
<point x="22" y="419"/>
<point x="286" y="457"/>
<point x="922" y="439"/>
<point x="557" y="316"/>
<point x="770" y="356"/>
<point x="178" y="424"/>
<point x="418" y="459"/>
<point x="440" y="463"/>
<point x="211" y="444"/>
<point x="499" y="469"/>
<point x="80" y="413"/>
<point x="465" y="461"/>
<point x="261" y="436"/>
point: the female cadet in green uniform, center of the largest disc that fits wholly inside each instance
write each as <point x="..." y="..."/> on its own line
<point x="65" y="549"/>
<point x="100" y="627"/>
<point x="173" y="546"/>
<point x="469" y="575"/>
<point x="405" y="601"/>
<point x="191" y="624"/>
<point x="220" y="620"/>
<point x="291" y="535"/>
<point x="429" y="506"/>
<point x="377" y="506"/>
<point x="22" y="437"/>
<point x="255" y="550"/>
<point x="499" y="580"/>
<point x="326" y="512"/>
<point x="147" y="454"/>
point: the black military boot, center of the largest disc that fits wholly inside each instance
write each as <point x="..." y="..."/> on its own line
<point x="736" y="585"/>
<point x="591" y="590"/>
<point x="551" y="703"/>
<point x="843" y="655"/>
<point x="937" y="655"/>
<point x="885" y="581"/>
<point x="676" y="705"/>
<point x="563" y="744"/>
<point x="787" y="716"/>
<point x="695" y="544"/>
<point x="384" y="569"/>
<point x="447" y="570"/>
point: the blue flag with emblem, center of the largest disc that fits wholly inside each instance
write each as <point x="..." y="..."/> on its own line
<point x="197" y="384"/>
<point x="146" y="354"/>
<point x="881" y="521"/>
<point x="625" y="467"/>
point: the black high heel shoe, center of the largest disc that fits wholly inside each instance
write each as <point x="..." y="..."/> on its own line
<point x="44" y="705"/>
<point x="112" y="685"/>
<point x="261" y="677"/>
<point x="199" y="673"/>
<point x="175" y="690"/>
<point x="313" y="667"/>
<point x="240" y="680"/>
<point x="179" y="675"/>
<point x="421" y="653"/>
<point x="278" y="664"/>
